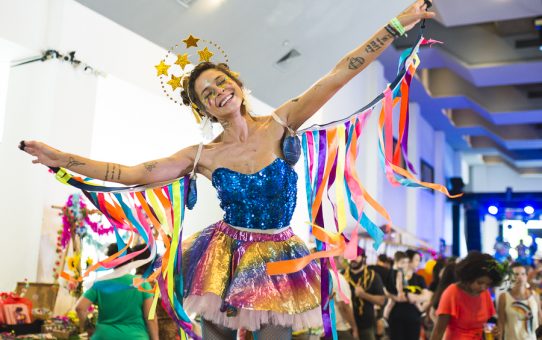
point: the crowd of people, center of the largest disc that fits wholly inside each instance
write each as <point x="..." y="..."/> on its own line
<point x="472" y="298"/>
<point x="476" y="297"/>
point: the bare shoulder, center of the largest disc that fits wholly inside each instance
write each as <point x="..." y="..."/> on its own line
<point x="185" y="154"/>
<point x="271" y="126"/>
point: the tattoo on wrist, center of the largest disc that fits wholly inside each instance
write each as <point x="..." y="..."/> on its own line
<point x="149" y="166"/>
<point x="106" y="172"/>
<point x="355" y="62"/>
<point x="118" y="175"/>
<point x="113" y="171"/>
<point x="72" y="162"/>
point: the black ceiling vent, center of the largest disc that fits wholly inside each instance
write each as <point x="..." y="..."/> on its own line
<point x="537" y="42"/>
<point x="287" y="58"/>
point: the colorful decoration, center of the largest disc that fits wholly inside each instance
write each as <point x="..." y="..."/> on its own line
<point x="138" y="209"/>
<point x="62" y="327"/>
<point x="76" y="224"/>
<point x="75" y="286"/>
<point x="173" y="67"/>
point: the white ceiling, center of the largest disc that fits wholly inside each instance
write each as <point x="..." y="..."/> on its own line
<point x="468" y="12"/>
<point x="257" y="33"/>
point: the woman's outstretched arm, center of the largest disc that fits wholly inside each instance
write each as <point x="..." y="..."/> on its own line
<point x="296" y="111"/>
<point x="159" y="170"/>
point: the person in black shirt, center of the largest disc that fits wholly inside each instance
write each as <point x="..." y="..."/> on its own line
<point x="405" y="317"/>
<point x="367" y="290"/>
<point x="382" y="267"/>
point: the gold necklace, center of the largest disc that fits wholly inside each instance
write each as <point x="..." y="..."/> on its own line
<point x="368" y="277"/>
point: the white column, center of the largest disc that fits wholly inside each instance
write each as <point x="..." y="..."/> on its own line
<point x="439" y="199"/>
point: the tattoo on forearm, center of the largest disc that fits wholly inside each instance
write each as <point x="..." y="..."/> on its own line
<point x="149" y="166"/>
<point x="295" y="100"/>
<point x="107" y="172"/>
<point x="377" y="44"/>
<point x="355" y="62"/>
<point x="118" y="175"/>
<point x="113" y="171"/>
<point x="72" y="162"/>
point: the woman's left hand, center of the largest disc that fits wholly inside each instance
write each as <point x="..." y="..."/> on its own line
<point x="496" y="332"/>
<point x="413" y="14"/>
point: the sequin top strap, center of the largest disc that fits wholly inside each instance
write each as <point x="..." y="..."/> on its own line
<point x="281" y="122"/>
<point x="196" y="160"/>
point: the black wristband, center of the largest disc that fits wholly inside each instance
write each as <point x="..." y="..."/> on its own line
<point x="392" y="31"/>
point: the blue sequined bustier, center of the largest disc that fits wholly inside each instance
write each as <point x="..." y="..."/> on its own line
<point x="263" y="200"/>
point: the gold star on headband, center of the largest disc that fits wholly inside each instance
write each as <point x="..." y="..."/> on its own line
<point x="205" y="54"/>
<point x="182" y="60"/>
<point x="172" y="79"/>
<point x="161" y="68"/>
<point x="191" y="41"/>
<point x="174" y="82"/>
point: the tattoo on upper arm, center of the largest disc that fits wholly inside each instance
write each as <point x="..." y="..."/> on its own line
<point x="149" y="166"/>
<point x="72" y="162"/>
<point x="295" y="100"/>
<point x="355" y="62"/>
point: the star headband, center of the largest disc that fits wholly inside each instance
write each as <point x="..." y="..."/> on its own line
<point x="177" y="65"/>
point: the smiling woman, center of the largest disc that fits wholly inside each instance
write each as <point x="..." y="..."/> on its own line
<point x="227" y="277"/>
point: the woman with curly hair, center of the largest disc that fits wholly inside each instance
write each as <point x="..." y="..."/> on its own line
<point x="466" y="305"/>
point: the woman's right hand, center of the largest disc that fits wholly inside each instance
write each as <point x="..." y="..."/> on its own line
<point x="44" y="154"/>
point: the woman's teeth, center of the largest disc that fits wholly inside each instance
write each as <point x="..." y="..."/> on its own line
<point x="225" y="100"/>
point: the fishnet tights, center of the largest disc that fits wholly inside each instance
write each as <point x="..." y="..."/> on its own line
<point x="211" y="331"/>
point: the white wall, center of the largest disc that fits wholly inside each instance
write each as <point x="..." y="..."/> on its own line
<point x="497" y="177"/>
<point x="55" y="103"/>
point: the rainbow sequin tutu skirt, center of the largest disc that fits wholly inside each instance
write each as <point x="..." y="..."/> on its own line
<point x="226" y="281"/>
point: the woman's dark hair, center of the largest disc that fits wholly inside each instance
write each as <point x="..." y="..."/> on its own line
<point x="383" y="258"/>
<point x="477" y="265"/>
<point x="448" y="277"/>
<point x="411" y="253"/>
<point x="112" y="249"/>
<point x="517" y="265"/>
<point x="141" y="269"/>
<point x="439" y="265"/>
<point x="399" y="255"/>
<point x="189" y="94"/>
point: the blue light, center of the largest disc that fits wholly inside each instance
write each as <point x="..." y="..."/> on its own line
<point x="528" y="210"/>
<point x="493" y="210"/>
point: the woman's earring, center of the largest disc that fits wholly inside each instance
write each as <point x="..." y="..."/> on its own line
<point x="206" y="127"/>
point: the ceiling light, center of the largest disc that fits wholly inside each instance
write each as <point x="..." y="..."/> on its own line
<point x="493" y="210"/>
